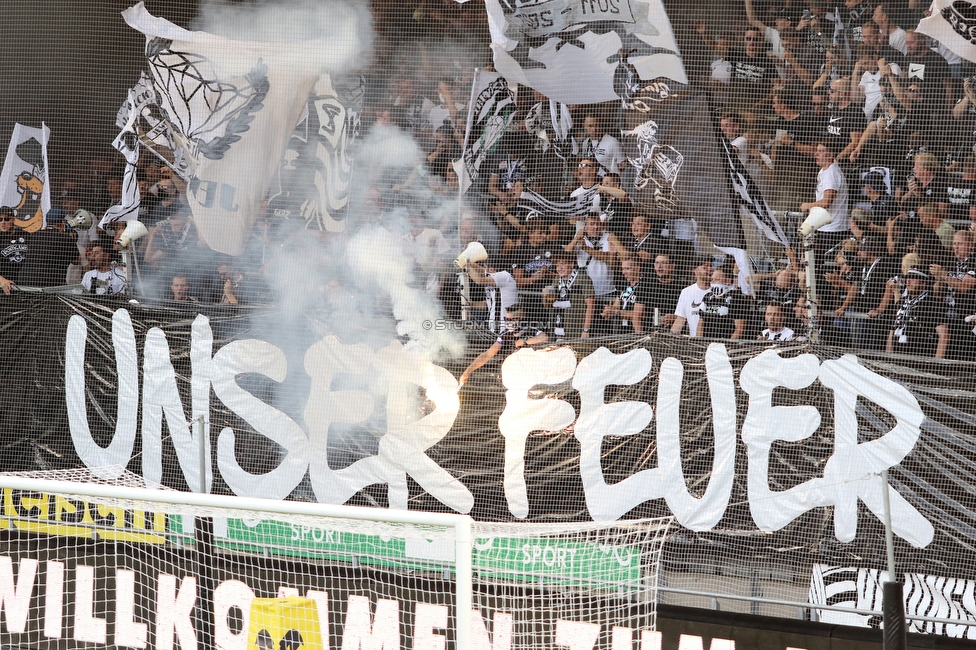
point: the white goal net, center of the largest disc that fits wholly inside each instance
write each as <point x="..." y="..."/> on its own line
<point x="88" y="562"/>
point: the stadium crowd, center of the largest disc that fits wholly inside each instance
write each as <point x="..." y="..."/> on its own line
<point x="833" y="104"/>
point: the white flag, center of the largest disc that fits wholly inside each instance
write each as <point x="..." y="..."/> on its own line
<point x="24" y="179"/>
<point x="952" y="23"/>
<point x="234" y="105"/>
<point x="581" y="52"/>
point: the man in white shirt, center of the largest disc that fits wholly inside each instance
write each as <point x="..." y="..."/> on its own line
<point x="690" y="300"/>
<point x="602" y="146"/>
<point x="832" y="195"/>
<point x="776" y="329"/>
<point x="103" y="280"/>
<point x="894" y="35"/>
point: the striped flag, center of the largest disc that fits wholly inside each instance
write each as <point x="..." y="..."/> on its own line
<point x="576" y="207"/>
<point x="748" y="198"/>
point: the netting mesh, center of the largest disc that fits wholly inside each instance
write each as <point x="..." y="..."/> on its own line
<point x="135" y="571"/>
<point x="544" y="262"/>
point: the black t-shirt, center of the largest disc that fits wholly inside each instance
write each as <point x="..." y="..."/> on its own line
<point x="840" y="123"/>
<point x="891" y="149"/>
<point x="928" y="245"/>
<point x="638" y="294"/>
<point x="720" y="308"/>
<point x="650" y="243"/>
<point x="934" y="192"/>
<point x="965" y="133"/>
<point x="854" y="18"/>
<point x="13" y="253"/>
<point x="752" y="77"/>
<point x="931" y="71"/>
<point x="532" y="259"/>
<point x="805" y="128"/>
<point x="961" y="195"/>
<point x="51" y="252"/>
<point x="662" y="296"/>
<point x="508" y="338"/>
<point x="883" y="209"/>
<point x="958" y="305"/>
<point x="873" y="277"/>
<point x="791" y="166"/>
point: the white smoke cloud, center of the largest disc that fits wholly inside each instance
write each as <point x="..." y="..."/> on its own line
<point x="344" y="28"/>
<point x="378" y="255"/>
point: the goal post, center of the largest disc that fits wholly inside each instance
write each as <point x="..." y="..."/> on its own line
<point x="111" y="562"/>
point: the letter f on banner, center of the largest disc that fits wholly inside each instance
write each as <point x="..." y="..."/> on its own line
<point x="522" y="415"/>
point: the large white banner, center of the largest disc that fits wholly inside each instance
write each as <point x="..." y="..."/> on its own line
<point x="583" y="51"/>
<point x="952" y="23"/>
<point x="24" y="180"/>
<point x="233" y="106"/>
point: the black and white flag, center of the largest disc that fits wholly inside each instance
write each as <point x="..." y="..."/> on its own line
<point x="315" y="173"/>
<point x="127" y="144"/>
<point x="490" y="113"/>
<point x="577" y="51"/>
<point x="678" y="171"/>
<point x="232" y="106"/>
<point x="551" y="123"/>
<point x="749" y="199"/>
<point x="579" y="206"/>
<point x="952" y="23"/>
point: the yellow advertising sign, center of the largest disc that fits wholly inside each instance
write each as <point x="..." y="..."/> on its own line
<point x="56" y="515"/>
<point x="290" y="623"/>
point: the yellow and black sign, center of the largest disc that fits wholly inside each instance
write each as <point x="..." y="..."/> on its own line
<point x="290" y="623"/>
<point x="53" y="514"/>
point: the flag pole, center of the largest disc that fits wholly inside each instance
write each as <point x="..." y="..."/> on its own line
<point x="461" y="171"/>
<point x="467" y="135"/>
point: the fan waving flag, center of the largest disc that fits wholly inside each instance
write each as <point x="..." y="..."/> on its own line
<point x="232" y="106"/>
<point x="490" y="113"/>
<point x="749" y="199"/>
<point x="952" y="23"/>
<point x="680" y="167"/>
<point x="583" y="51"/>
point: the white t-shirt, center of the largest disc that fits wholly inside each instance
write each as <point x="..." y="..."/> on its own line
<point x="607" y="152"/>
<point x="506" y="286"/>
<point x="600" y="272"/>
<point x="785" y="334"/>
<point x="106" y="283"/>
<point x="871" y="82"/>
<point x="689" y="302"/>
<point x="832" y="178"/>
